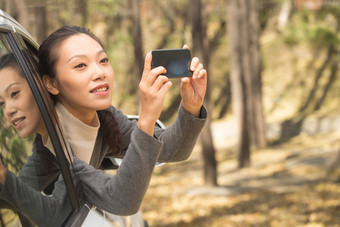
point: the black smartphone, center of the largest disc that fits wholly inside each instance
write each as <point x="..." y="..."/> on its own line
<point x="175" y="61"/>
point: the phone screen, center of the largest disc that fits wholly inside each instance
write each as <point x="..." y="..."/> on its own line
<point x="175" y="61"/>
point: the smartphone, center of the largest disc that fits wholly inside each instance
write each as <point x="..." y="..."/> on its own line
<point x="175" y="61"/>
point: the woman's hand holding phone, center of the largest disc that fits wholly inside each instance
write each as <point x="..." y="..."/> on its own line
<point x="193" y="88"/>
<point x="153" y="88"/>
<point x="154" y="85"/>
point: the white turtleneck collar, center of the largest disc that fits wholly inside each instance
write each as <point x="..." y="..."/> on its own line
<point x="80" y="136"/>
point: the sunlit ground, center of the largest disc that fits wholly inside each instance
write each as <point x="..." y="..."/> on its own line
<point x="8" y="217"/>
<point x="287" y="185"/>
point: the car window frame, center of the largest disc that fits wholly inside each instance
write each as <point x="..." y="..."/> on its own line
<point x="48" y="115"/>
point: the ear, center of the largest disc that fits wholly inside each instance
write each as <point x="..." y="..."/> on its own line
<point x="51" y="85"/>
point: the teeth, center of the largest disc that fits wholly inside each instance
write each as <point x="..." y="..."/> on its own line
<point x="17" y="122"/>
<point x="100" y="90"/>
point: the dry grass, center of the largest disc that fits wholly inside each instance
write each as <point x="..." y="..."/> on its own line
<point x="287" y="185"/>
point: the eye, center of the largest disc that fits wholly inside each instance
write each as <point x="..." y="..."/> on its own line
<point x="2" y="104"/>
<point x="14" y="94"/>
<point x="104" y="60"/>
<point x="81" y="65"/>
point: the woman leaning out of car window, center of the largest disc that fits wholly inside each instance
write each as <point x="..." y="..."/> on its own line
<point x="77" y="73"/>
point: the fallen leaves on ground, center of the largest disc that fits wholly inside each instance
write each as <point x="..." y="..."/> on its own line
<point x="286" y="185"/>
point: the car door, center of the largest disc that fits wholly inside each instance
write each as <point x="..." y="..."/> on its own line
<point x="14" y="150"/>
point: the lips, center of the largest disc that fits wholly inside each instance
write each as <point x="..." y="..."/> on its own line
<point x="100" y="89"/>
<point x="17" y="121"/>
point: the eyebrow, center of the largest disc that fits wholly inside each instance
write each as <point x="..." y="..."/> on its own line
<point x="11" y="85"/>
<point x="83" y="55"/>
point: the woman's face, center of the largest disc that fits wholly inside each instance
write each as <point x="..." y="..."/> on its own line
<point x="84" y="77"/>
<point x="18" y="104"/>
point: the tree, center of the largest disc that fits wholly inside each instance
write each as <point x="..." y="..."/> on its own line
<point x="244" y="31"/>
<point x="12" y="146"/>
<point x="40" y="21"/>
<point x="285" y="13"/>
<point x="81" y="11"/>
<point x="200" y="49"/>
<point x="18" y="10"/>
<point x="137" y="41"/>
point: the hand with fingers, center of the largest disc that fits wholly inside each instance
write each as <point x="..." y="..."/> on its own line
<point x="153" y="88"/>
<point x="193" y="88"/>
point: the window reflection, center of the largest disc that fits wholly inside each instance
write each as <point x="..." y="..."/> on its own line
<point x="14" y="151"/>
<point x="24" y="186"/>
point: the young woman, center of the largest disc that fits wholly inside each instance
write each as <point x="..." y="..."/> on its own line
<point x="76" y="70"/>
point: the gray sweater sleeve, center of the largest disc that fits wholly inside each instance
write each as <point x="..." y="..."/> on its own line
<point x="180" y="137"/>
<point x="33" y="173"/>
<point x="123" y="193"/>
<point x="41" y="209"/>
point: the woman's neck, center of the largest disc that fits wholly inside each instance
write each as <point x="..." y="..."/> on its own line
<point x="88" y="117"/>
<point x="44" y="134"/>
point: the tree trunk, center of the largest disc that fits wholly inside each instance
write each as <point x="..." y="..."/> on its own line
<point x="258" y="132"/>
<point x="81" y="11"/>
<point x="243" y="31"/>
<point x="285" y="13"/>
<point x="40" y="22"/>
<point x="18" y="10"/>
<point x="200" y="50"/>
<point x="138" y="43"/>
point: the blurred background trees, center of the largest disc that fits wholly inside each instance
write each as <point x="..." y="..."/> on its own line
<point x="245" y="66"/>
<point x="13" y="148"/>
<point x="276" y="60"/>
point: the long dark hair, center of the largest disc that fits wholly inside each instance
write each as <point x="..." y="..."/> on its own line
<point x="48" y="57"/>
<point x="8" y="60"/>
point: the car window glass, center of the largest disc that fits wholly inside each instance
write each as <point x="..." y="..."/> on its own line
<point x="14" y="150"/>
<point x="13" y="147"/>
<point x="20" y="121"/>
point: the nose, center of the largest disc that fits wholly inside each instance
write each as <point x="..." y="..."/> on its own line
<point x="9" y="110"/>
<point x="98" y="72"/>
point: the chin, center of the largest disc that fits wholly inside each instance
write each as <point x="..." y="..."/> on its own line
<point x="23" y="134"/>
<point x="103" y="106"/>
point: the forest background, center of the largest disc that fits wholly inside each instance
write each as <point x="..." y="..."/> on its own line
<point x="268" y="155"/>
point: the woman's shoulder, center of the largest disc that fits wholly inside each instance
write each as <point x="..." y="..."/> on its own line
<point x="122" y="119"/>
<point x="117" y="113"/>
